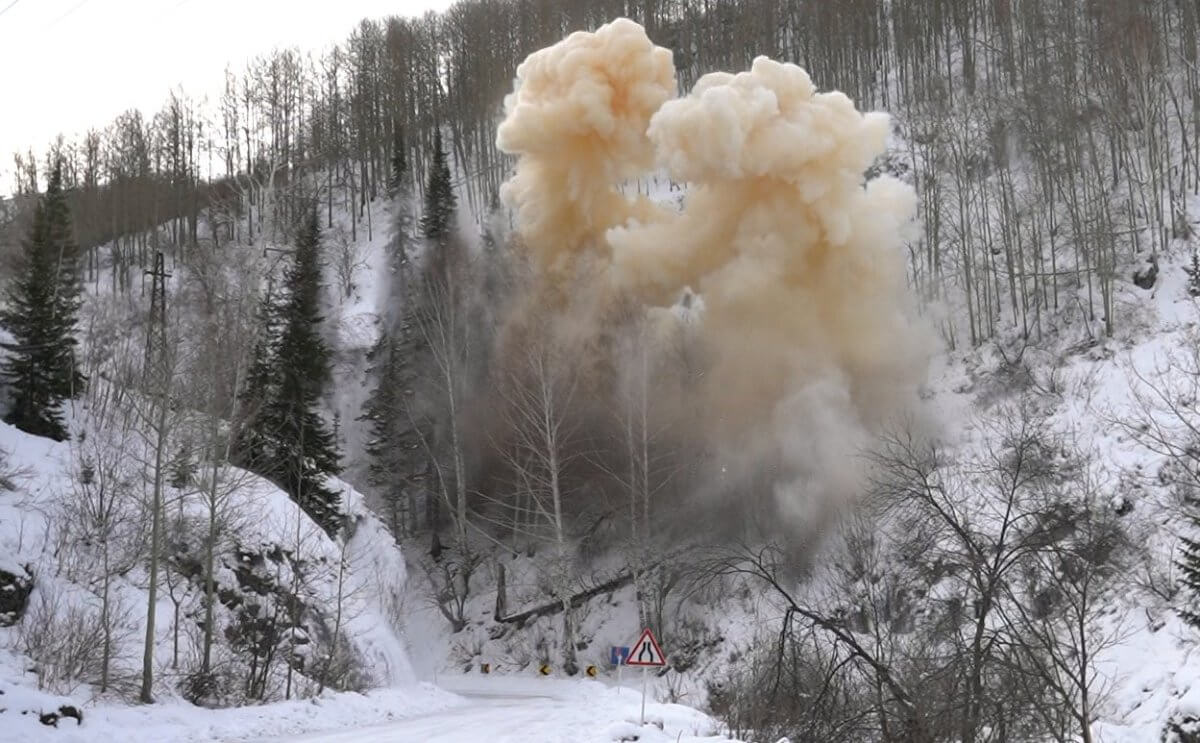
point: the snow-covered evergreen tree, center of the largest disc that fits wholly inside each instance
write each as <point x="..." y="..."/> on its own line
<point x="287" y="439"/>
<point x="399" y="165"/>
<point x="1193" y="272"/>
<point x="1189" y="566"/>
<point x="437" y="220"/>
<point x="397" y="458"/>
<point x="43" y="302"/>
<point x="399" y="462"/>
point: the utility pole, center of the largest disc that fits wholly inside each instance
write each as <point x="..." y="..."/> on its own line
<point x="156" y="374"/>
<point x="156" y="329"/>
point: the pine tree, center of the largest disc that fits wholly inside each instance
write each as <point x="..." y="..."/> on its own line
<point x="383" y="411"/>
<point x="43" y="302"/>
<point x="399" y="172"/>
<point x="301" y="447"/>
<point x="1189" y="565"/>
<point x="1193" y="272"/>
<point x="400" y="431"/>
<point x="399" y="187"/>
<point x="183" y="469"/>
<point x="440" y="202"/>
<point x="399" y="463"/>
<point x="251" y="451"/>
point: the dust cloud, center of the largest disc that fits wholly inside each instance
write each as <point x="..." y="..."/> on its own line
<point x="792" y="260"/>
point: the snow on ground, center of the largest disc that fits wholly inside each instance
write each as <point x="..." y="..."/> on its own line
<point x="179" y="722"/>
<point x="1147" y="670"/>
<point x="499" y="709"/>
<point x="379" y="581"/>
<point x="384" y="617"/>
<point x="528" y="710"/>
<point x="1149" y="673"/>
<point x="372" y="588"/>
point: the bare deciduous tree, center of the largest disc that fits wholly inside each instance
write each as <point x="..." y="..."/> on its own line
<point x="538" y="397"/>
<point x="962" y="594"/>
<point x="102" y="535"/>
<point x="1058" y="616"/>
<point x="349" y="258"/>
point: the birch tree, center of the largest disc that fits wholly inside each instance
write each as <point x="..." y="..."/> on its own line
<point x="537" y="397"/>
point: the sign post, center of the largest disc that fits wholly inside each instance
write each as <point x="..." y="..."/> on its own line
<point x="645" y="653"/>
<point x="617" y="655"/>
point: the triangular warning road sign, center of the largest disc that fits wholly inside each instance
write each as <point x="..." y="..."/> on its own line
<point x="646" y="652"/>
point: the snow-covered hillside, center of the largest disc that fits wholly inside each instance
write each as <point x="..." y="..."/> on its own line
<point x="1091" y="389"/>
<point x="1087" y="383"/>
<point x="352" y="590"/>
<point x="356" y="590"/>
<point x="868" y="478"/>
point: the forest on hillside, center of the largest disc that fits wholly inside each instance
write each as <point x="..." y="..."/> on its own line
<point x="1039" y="134"/>
<point x="522" y="417"/>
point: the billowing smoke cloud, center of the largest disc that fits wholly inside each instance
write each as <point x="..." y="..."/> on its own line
<point x="807" y="322"/>
<point x="578" y="119"/>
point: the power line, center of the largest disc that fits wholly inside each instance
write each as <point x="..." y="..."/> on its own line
<point x="9" y="7"/>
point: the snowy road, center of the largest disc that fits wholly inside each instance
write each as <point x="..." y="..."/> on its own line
<point x="498" y="720"/>
<point x="520" y="710"/>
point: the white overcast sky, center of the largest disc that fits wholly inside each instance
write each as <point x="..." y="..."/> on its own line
<point x="67" y="65"/>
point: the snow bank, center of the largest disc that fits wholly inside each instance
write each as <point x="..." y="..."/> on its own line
<point x="177" y="722"/>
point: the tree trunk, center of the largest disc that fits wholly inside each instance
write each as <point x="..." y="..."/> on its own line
<point x="147" y="691"/>
<point x="105" y="623"/>
<point x="175" y="638"/>
<point x="209" y="584"/>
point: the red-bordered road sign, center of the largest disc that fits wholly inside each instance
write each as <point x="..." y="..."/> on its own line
<point x="646" y="651"/>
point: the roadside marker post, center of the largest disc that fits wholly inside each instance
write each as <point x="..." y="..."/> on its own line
<point x="646" y="653"/>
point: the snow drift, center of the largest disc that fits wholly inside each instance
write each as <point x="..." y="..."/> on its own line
<point x="808" y="326"/>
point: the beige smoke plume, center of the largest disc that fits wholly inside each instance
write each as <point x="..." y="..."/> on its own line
<point x="807" y="317"/>
<point x="578" y="120"/>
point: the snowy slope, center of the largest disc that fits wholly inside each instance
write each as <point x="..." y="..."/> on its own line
<point x="1147" y="673"/>
<point x="355" y="321"/>
<point x="372" y="586"/>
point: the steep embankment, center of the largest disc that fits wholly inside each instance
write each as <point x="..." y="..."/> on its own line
<point x="277" y="577"/>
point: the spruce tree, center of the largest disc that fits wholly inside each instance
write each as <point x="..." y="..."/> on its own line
<point x="1193" y="272"/>
<point x="1189" y="565"/>
<point x="301" y="447"/>
<point x="400" y="189"/>
<point x="251" y="451"/>
<point x="383" y="410"/>
<point x="398" y="461"/>
<point x="440" y="202"/>
<point x="43" y="302"/>
<point x="183" y="469"/>
<point x="399" y="172"/>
